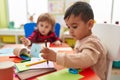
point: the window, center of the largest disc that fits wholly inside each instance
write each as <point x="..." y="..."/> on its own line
<point x="102" y="10"/>
<point x="116" y="11"/>
<point x="106" y="10"/>
<point x="21" y="10"/>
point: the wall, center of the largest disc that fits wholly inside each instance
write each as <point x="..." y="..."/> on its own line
<point x="3" y="14"/>
<point x="58" y="8"/>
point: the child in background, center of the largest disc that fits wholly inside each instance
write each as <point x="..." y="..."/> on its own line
<point x="89" y="51"/>
<point x="44" y="31"/>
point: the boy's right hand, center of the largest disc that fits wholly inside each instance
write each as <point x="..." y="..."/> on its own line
<point x="25" y="41"/>
<point x="48" y="54"/>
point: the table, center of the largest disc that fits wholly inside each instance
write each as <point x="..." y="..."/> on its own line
<point x="87" y="73"/>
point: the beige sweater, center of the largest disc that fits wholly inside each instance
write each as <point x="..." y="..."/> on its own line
<point x="89" y="52"/>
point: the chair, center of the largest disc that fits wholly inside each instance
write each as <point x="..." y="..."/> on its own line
<point x="57" y="29"/>
<point x="109" y="34"/>
<point x="29" y="28"/>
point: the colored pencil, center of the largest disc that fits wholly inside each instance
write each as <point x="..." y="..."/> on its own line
<point x="34" y="63"/>
<point x="46" y="46"/>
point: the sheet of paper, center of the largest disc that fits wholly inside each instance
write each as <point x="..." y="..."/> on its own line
<point x="22" y="66"/>
<point x="56" y="49"/>
<point x="62" y="74"/>
<point x="35" y="50"/>
<point x="6" y="52"/>
<point x="43" y="65"/>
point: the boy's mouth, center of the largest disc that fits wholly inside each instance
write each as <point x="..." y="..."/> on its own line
<point x="72" y="35"/>
<point x="42" y="32"/>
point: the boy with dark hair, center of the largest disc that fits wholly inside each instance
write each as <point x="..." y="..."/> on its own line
<point x="89" y="51"/>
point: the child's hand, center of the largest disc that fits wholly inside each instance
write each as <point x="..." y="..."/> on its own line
<point x="57" y="42"/>
<point x="25" y="41"/>
<point x="48" y="54"/>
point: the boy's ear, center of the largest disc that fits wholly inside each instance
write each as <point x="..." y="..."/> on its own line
<point x="90" y="23"/>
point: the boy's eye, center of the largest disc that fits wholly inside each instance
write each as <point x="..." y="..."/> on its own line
<point x="74" y="27"/>
<point x="41" y="25"/>
<point x="68" y="27"/>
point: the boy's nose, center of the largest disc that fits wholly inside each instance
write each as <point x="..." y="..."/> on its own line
<point x="70" y="30"/>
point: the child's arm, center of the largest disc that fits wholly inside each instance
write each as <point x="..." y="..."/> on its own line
<point x="84" y="59"/>
<point x="32" y="38"/>
<point x="87" y="56"/>
<point x="25" y="41"/>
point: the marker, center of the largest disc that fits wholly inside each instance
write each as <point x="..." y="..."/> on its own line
<point x="34" y="63"/>
<point x="46" y="46"/>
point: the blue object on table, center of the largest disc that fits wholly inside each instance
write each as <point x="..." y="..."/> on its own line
<point x="25" y="57"/>
<point x="73" y="71"/>
<point x="116" y="64"/>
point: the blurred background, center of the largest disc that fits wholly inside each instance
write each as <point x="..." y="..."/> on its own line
<point x="15" y="13"/>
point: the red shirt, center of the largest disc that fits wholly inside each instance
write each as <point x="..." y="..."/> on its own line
<point x="36" y="37"/>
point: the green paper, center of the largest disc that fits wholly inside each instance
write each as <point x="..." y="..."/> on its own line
<point x="61" y="75"/>
<point x="22" y="66"/>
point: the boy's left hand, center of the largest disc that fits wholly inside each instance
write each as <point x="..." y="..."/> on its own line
<point x="48" y="54"/>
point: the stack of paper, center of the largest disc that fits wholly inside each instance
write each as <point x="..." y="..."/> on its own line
<point x="24" y="72"/>
<point x="23" y="67"/>
<point x="33" y="73"/>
